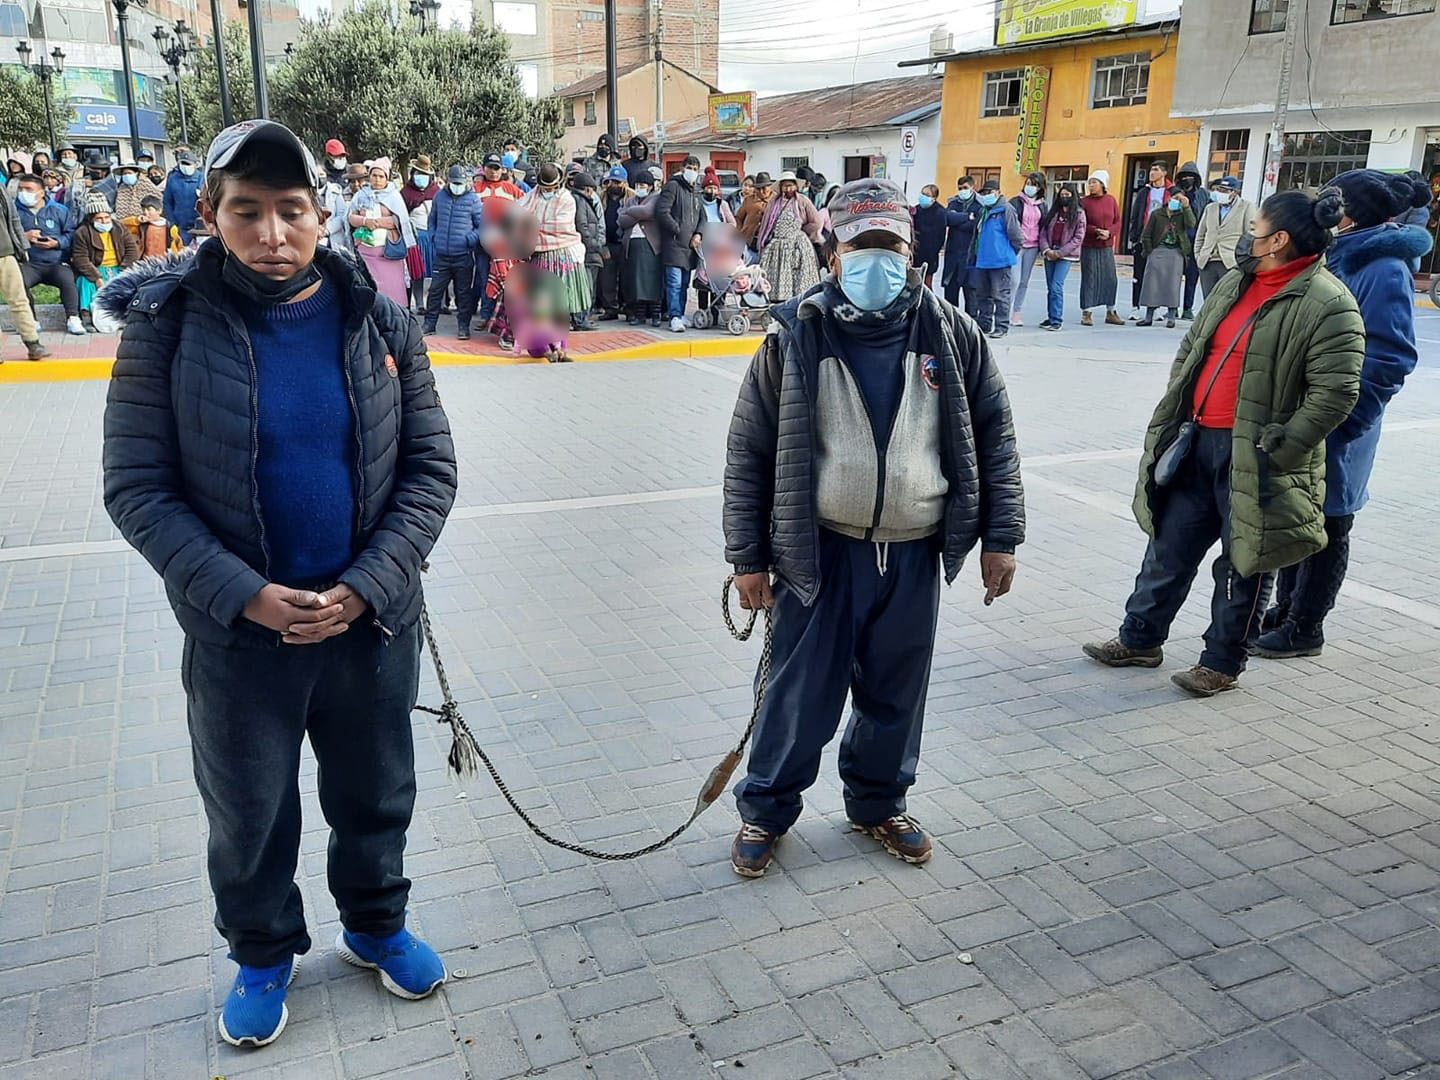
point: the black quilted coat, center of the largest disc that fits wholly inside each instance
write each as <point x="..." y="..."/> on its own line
<point x="770" y="520"/>
<point x="180" y="444"/>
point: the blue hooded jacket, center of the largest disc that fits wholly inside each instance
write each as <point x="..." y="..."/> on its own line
<point x="997" y="240"/>
<point x="1373" y="264"/>
<point x="54" y="223"/>
<point x="180" y="194"/>
<point x="962" y="217"/>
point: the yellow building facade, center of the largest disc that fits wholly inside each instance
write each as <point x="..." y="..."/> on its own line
<point x="1106" y="106"/>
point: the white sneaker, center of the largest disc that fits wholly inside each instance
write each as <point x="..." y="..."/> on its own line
<point x="72" y="326"/>
<point x="677" y="324"/>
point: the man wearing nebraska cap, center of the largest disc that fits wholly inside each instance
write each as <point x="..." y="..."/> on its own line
<point x="275" y="449"/>
<point x="871" y="449"/>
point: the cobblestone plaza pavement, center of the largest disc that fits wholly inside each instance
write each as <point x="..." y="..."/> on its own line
<point x="1148" y="886"/>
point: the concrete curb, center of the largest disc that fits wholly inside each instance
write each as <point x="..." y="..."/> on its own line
<point x="84" y="369"/>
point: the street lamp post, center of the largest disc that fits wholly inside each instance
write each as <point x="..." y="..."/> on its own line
<point x="43" y="70"/>
<point x="217" y="19"/>
<point x="257" y="58"/>
<point x="122" y="19"/>
<point x="175" y="52"/>
<point x="428" y="12"/>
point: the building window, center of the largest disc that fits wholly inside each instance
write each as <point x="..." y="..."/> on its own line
<point x="529" y="79"/>
<point x="982" y="173"/>
<point x="515" y="18"/>
<point x="590" y="111"/>
<point x="1268" y="16"/>
<point x="794" y="164"/>
<point x="1352" y="11"/>
<point x="1067" y="176"/>
<point x="1313" y="158"/>
<point x="857" y="168"/>
<point x="1002" y="92"/>
<point x="1228" y="150"/>
<point x="1121" y="80"/>
<point x="569" y="112"/>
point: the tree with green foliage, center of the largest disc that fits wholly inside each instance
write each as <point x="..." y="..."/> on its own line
<point x="381" y="87"/>
<point x="22" y="110"/>
<point x="202" y="89"/>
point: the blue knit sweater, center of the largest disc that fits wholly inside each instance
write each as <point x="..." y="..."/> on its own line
<point x="306" y="467"/>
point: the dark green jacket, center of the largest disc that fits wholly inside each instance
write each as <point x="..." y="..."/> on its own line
<point x="1301" y="378"/>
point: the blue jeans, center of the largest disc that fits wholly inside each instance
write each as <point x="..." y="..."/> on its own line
<point x="1190" y="515"/>
<point x="1056" y="271"/>
<point x="677" y="281"/>
<point x="870" y="635"/>
<point x="249" y="711"/>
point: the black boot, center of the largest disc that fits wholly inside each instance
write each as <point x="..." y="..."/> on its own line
<point x="1292" y="640"/>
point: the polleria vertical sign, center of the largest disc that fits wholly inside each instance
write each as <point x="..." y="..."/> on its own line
<point x="1034" y="95"/>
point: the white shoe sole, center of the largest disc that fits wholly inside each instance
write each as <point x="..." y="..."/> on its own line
<point x="351" y="957"/>
<point x="251" y="1040"/>
<point x="913" y="860"/>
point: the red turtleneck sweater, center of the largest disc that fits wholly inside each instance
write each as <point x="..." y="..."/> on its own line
<point x="1219" y="407"/>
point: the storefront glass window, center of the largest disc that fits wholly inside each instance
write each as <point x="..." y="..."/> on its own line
<point x="1313" y="158"/>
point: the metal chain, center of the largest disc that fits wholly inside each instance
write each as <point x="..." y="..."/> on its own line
<point x="466" y="752"/>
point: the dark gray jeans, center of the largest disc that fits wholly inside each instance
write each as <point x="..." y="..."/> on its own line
<point x="249" y="711"/>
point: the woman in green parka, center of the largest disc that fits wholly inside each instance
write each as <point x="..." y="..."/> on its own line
<point x="1236" y="448"/>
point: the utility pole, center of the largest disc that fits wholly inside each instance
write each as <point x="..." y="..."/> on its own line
<point x="1275" y="152"/>
<point x="612" y="69"/>
<point x="659" y="91"/>
<point x="217" y="19"/>
<point x="257" y="60"/>
<point x="122" y="26"/>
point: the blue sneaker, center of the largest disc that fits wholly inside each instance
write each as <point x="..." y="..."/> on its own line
<point x="408" y="967"/>
<point x="255" y="1011"/>
<point x="752" y="850"/>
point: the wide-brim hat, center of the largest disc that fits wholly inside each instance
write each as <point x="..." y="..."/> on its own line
<point x="421" y="163"/>
<point x="789" y="175"/>
<point x="356" y="171"/>
<point x="763" y="179"/>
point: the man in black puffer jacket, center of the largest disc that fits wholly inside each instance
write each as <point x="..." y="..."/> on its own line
<point x="275" y="449"/>
<point x="871" y="448"/>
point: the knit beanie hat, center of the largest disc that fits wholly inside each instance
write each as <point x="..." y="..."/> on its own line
<point x="1103" y="175"/>
<point x="96" y="203"/>
<point x="1372" y="196"/>
<point x="710" y="177"/>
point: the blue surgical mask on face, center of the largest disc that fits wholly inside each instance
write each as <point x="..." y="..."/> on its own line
<point x="1031" y="190"/>
<point x="872" y="278"/>
<point x="966" y="194"/>
<point x="187" y="170"/>
<point x="128" y="178"/>
<point x="1174" y="204"/>
<point x="104" y="226"/>
<point x="30" y="198"/>
<point x="547" y="195"/>
<point x="926" y="202"/>
<point x="990" y="198"/>
<point x="507" y="160"/>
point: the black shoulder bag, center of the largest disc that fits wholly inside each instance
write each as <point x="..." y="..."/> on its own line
<point x="1170" y="460"/>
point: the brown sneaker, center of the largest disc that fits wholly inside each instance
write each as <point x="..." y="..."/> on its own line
<point x="1115" y="653"/>
<point x="901" y="836"/>
<point x="1112" y="317"/>
<point x="752" y="850"/>
<point x="35" y="351"/>
<point x="1201" y="681"/>
<point x="1085" y="319"/>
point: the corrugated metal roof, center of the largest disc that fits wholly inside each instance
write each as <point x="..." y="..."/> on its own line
<point x="829" y="109"/>
<point x="593" y="83"/>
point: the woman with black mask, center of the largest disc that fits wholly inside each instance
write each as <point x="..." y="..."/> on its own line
<point x="1241" y="459"/>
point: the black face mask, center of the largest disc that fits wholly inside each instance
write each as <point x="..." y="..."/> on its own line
<point x="1245" y="258"/>
<point x="261" y="289"/>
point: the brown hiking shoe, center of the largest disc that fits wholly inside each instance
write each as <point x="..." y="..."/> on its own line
<point x="901" y="836"/>
<point x="35" y="351"/>
<point x="1113" y="318"/>
<point x="752" y="850"/>
<point x="1201" y="681"/>
<point x="1115" y="653"/>
<point x="1085" y="319"/>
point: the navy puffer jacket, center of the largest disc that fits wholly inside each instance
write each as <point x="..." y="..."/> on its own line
<point x="769" y="517"/>
<point x="455" y="221"/>
<point x="180" y="444"/>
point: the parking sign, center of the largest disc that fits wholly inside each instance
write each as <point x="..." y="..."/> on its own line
<point x="909" y="140"/>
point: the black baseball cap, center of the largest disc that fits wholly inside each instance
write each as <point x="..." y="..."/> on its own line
<point x="279" y="138"/>
<point x="494" y="161"/>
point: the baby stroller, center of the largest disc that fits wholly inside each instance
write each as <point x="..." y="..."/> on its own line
<point x="739" y="292"/>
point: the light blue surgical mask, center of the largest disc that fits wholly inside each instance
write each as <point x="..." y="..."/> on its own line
<point x="1174" y="204"/>
<point x="1031" y="190"/>
<point x="548" y="195"/>
<point x="104" y="226"/>
<point x="926" y="202"/>
<point x="30" y="198"/>
<point x="187" y="170"/>
<point x="966" y="194"/>
<point x="872" y="278"/>
<point x="421" y="180"/>
<point x="990" y="198"/>
<point x="128" y="178"/>
<point x="457" y="187"/>
<point x="507" y="160"/>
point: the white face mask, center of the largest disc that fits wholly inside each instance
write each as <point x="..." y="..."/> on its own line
<point x="68" y="160"/>
<point x="641" y="191"/>
<point x="339" y="162"/>
<point x="1223" y="197"/>
<point x="187" y="170"/>
<point x="457" y="187"/>
<point x="691" y="175"/>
